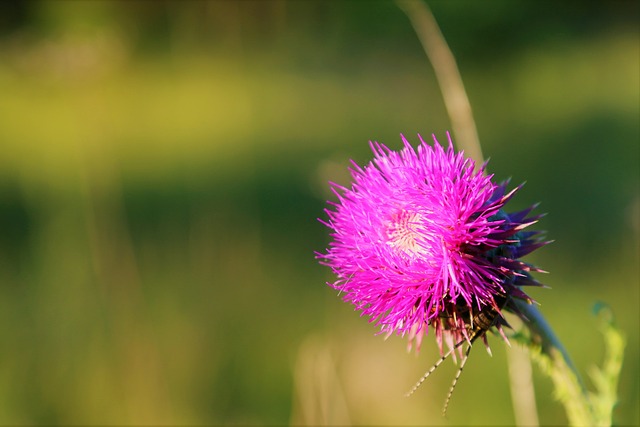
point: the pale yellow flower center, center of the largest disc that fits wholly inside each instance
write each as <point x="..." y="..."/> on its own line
<point x="403" y="232"/>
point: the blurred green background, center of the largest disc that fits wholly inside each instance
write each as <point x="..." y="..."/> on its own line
<point x="163" y="164"/>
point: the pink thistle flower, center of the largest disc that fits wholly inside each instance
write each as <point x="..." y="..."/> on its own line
<point x="420" y="239"/>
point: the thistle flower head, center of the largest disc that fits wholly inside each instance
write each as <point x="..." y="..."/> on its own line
<point x="421" y="239"/>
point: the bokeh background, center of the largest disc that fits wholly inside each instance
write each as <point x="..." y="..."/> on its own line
<point x="163" y="164"/>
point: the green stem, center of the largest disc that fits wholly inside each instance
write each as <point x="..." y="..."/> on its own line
<point x="555" y="361"/>
<point x="543" y="335"/>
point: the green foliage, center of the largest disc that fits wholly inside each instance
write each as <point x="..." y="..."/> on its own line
<point x="567" y="387"/>
<point x="605" y="379"/>
<point x="583" y="408"/>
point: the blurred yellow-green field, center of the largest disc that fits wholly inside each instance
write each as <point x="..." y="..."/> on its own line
<point x="163" y="166"/>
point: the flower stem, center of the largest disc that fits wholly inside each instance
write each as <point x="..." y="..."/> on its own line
<point x="523" y="396"/>
<point x="554" y="360"/>
<point x="543" y="335"/>
<point x="449" y="80"/>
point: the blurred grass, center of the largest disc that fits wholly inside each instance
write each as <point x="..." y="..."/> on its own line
<point x="158" y="197"/>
